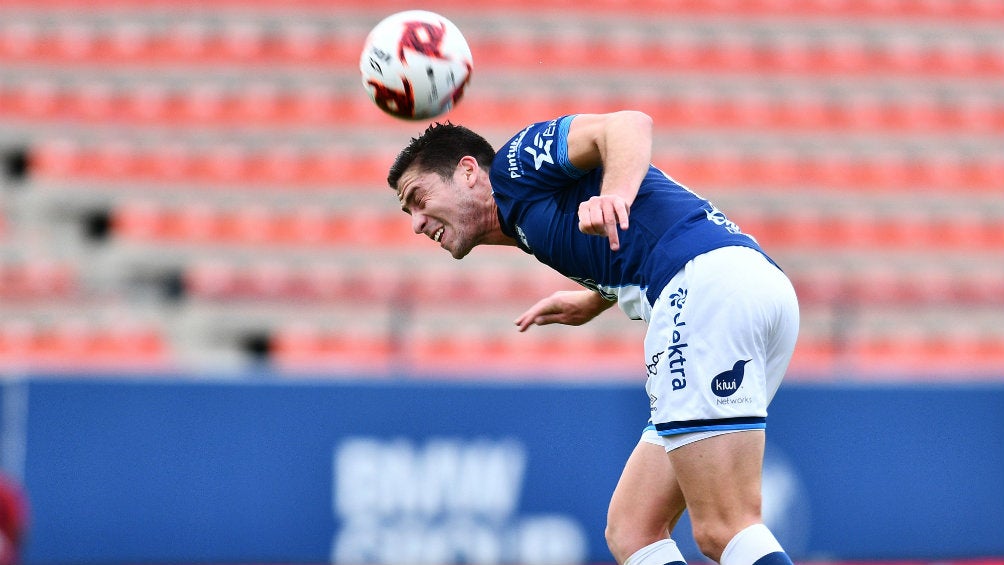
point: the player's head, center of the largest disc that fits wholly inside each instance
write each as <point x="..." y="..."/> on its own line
<point x="439" y="150"/>
<point x="441" y="182"/>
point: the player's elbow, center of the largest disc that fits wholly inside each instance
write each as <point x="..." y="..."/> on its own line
<point x="636" y="119"/>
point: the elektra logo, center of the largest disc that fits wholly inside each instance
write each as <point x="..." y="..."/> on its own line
<point x="727" y="383"/>
<point x="675" y="359"/>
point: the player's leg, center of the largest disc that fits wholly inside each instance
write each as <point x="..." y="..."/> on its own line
<point x="645" y="507"/>
<point x="731" y="341"/>
<point x="720" y="478"/>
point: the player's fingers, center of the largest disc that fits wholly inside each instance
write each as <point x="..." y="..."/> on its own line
<point x="596" y="217"/>
<point x="528" y="318"/>
<point x="584" y="214"/>
<point x="610" y="224"/>
<point x="541" y="320"/>
<point x="623" y="211"/>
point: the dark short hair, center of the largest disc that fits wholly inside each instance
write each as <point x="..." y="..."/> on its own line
<point x="439" y="149"/>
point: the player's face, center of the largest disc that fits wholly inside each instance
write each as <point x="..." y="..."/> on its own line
<point x="441" y="209"/>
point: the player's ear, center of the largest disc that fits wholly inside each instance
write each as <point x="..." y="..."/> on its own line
<point x="468" y="168"/>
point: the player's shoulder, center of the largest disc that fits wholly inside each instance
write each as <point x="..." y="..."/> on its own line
<point x="536" y="148"/>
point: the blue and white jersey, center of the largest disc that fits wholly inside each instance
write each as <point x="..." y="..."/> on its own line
<point x="538" y="192"/>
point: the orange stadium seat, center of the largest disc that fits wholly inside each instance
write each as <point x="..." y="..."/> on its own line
<point x="815" y="357"/>
<point x="196" y="222"/>
<point x="918" y="355"/>
<point x="81" y="345"/>
<point x="480" y="354"/>
<point x="37" y="279"/>
<point x="227" y="165"/>
<point x="305" y="348"/>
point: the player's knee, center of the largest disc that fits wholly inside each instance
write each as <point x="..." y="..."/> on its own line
<point x="625" y="538"/>
<point x="712" y="537"/>
<point x="617" y="542"/>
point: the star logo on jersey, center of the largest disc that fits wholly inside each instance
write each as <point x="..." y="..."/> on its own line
<point x="728" y="382"/>
<point x="541" y="151"/>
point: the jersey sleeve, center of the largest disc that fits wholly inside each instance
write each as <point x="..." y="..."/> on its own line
<point x="537" y="158"/>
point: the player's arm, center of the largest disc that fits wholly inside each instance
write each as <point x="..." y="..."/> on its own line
<point x="622" y="143"/>
<point x="569" y="307"/>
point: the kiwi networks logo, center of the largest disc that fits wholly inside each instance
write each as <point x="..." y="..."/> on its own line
<point x="726" y="384"/>
<point x="442" y="501"/>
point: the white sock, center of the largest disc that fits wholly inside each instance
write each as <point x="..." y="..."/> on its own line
<point x="661" y="552"/>
<point x="749" y="545"/>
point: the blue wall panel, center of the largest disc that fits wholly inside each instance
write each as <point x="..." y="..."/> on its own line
<point x="179" y="471"/>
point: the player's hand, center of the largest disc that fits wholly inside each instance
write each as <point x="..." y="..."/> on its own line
<point x="602" y="215"/>
<point x="569" y="307"/>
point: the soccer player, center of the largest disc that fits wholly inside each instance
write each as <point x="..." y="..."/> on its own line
<point x="580" y="193"/>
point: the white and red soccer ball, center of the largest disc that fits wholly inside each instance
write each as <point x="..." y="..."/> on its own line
<point x="415" y="64"/>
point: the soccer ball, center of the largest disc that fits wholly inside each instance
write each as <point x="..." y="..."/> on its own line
<point x="415" y="64"/>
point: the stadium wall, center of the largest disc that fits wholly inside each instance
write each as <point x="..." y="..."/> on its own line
<point x="181" y="471"/>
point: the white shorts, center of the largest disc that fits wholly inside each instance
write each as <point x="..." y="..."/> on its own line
<point x="719" y="340"/>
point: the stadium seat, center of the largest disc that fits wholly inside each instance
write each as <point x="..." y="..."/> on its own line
<point x="302" y="348"/>
<point x="37" y="279"/>
<point x="81" y="345"/>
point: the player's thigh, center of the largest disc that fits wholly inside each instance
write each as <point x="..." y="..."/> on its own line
<point x="648" y="499"/>
<point x="720" y="478"/>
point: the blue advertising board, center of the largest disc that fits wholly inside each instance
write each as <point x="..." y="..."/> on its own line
<point x="382" y="472"/>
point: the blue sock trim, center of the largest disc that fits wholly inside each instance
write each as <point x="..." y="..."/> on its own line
<point x="776" y="558"/>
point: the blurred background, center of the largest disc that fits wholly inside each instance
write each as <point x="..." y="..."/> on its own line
<point x="193" y="205"/>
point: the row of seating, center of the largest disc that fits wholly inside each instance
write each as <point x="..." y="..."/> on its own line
<point x="206" y="105"/>
<point x="199" y="223"/>
<point x="217" y="165"/>
<point x="244" y="166"/>
<point x="80" y="346"/>
<point x="38" y="279"/>
<point x="911" y="358"/>
<point x="824" y="284"/>
<point x="925" y="352"/>
<point x="963" y="10"/>
<point x="202" y="223"/>
<point x="273" y="43"/>
<point x="324" y="283"/>
<point x="299" y="348"/>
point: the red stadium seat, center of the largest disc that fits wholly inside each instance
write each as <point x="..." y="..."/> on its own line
<point x="81" y="345"/>
<point x="37" y="279"/>
<point x="305" y="348"/>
